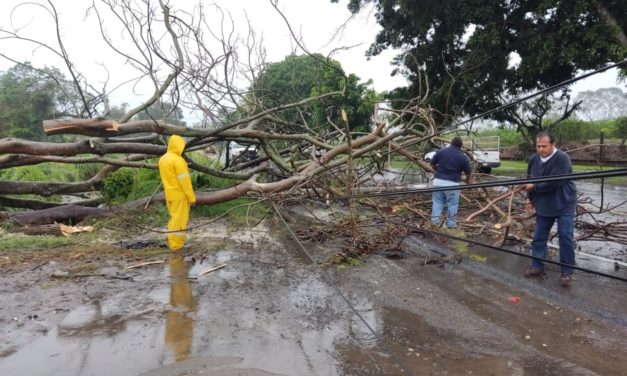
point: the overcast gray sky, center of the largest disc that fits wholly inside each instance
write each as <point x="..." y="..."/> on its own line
<point x="317" y="21"/>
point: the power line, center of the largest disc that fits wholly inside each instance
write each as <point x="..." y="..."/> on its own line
<point x="540" y="92"/>
<point x="352" y="307"/>
<point x="454" y="127"/>
<point x="500" y="249"/>
<point x="497" y="183"/>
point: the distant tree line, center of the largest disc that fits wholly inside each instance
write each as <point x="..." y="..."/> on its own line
<point x="569" y="131"/>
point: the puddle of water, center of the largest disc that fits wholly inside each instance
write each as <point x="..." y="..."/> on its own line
<point x="248" y="317"/>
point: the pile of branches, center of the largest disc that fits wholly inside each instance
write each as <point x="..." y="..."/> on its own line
<point x="499" y="217"/>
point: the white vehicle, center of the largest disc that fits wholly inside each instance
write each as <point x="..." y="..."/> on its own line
<point x="236" y="149"/>
<point x="486" y="152"/>
<point x="240" y="153"/>
<point x="429" y="156"/>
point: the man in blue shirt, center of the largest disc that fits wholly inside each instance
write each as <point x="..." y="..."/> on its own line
<point x="448" y="163"/>
<point x="553" y="201"/>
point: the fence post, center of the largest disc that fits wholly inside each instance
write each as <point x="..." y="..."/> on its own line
<point x="601" y="149"/>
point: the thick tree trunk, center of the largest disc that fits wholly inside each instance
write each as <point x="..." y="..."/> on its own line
<point x="89" y="146"/>
<point x="610" y="20"/>
<point x="37" y="204"/>
<point x="70" y="214"/>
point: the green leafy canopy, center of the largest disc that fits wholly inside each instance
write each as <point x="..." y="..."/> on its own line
<point x="474" y="52"/>
<point x="298" y="77"/>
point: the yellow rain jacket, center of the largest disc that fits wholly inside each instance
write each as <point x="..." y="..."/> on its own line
<point x="178" y="190"/>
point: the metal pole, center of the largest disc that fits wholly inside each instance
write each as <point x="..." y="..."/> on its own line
<point x="602" y="149"/>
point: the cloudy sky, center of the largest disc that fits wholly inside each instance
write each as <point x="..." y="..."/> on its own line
<point x="317" y="21"/>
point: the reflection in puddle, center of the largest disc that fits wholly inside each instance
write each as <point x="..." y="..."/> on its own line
<point x="179" y="321"/>
<point x="86" y="321"/>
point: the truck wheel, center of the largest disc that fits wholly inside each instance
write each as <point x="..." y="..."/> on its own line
<point x="485" y="170"/>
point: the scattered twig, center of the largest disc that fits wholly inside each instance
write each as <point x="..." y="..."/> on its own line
<point x="39" y="266"/>
<point x="144" y="264"/>
<point x="104" y="276"/>
<point x="213" y="269"/>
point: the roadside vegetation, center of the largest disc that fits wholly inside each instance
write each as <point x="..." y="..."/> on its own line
<point x="519" y="169"/>
<point x="569" y="131"/>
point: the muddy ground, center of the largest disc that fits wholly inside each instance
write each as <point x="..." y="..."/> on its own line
<point x="270" y="311"/>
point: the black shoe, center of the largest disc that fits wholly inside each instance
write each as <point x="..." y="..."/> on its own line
<point x="535" y="272"/>
<point x="566" y="280"/>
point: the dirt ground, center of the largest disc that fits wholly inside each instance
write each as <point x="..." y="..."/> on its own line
<point x="269" y="311"/>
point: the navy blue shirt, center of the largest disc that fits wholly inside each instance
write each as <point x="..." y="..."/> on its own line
<point x="552" y="198"/>
<point x="450" y="163"/>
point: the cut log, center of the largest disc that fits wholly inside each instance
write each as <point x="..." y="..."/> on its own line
<point x="90" y="127"/>
<point x="50" y="229"/>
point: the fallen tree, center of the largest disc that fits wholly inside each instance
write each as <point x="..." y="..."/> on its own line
<point x="170" y="51"/>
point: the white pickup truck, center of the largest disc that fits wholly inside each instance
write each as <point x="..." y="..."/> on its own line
<point x="485" y="151"/>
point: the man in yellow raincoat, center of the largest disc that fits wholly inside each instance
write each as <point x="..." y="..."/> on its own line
<point x="178" y="190"/>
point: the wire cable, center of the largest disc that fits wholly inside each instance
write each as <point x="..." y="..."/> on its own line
<point x="540" y="92"/>
<point x="497" y="183"/>
<point x="454" y="127"/>
<point x="500" y="249"/>
<point x="387" y="348"/>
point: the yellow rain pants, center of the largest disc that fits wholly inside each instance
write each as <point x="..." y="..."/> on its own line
<point x="179" y="215"/>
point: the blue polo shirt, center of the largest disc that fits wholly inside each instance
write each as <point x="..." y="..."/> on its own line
<point x="450" y="162"/>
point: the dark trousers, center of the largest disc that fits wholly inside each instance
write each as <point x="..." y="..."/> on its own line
<point x="565" y="230"/>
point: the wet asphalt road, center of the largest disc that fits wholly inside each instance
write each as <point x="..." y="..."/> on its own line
<point x="269" y="312"/>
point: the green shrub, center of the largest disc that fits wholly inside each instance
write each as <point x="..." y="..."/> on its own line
<point x="508" y="137"/>
<point x="118" y="185"/>
<point x="41" y="172"/>
<point x="620" y="128"/>
<point x="145" y="182"/>
<point x="242" y="211"/>
<point x="575" y="130"/>
<point x="85" y="171"/>
<point x="570" y="130"/>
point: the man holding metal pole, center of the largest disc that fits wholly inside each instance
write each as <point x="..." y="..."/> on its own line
<point x="553" y="201"/>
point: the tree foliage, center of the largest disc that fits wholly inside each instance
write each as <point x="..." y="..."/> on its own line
<point x="298" y="77"/>
<point x="620" y="129"/>
<point x="604" y="103"/>
<point x="463" y="55"/>
<point x="544" y="113"/>
<point x="28" y="96"/>
<point x="162" y="111"/>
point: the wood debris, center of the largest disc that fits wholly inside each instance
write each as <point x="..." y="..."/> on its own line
<point x="213" y="269"/>
<point x="144" y="264"/>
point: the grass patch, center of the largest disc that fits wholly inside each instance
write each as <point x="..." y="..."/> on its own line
<point x="239" y="212"/>
<point x="343" y="262"/>
<point x="19" y="242"/>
